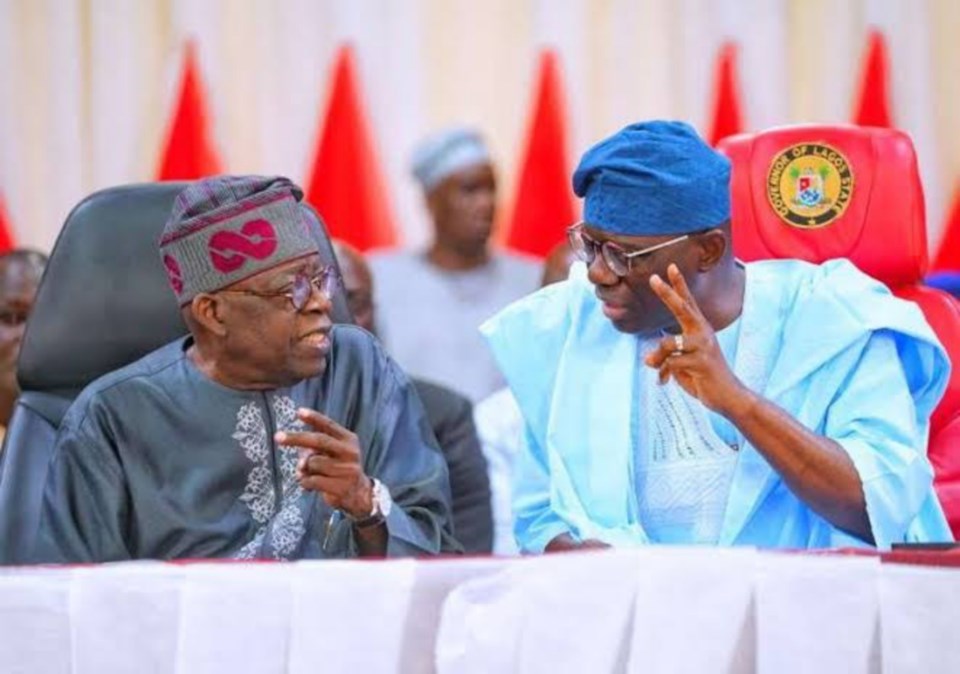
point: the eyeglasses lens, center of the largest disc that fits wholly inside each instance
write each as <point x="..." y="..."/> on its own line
<point x="582" y="247"/>
<point x="586" y="249"/>
<point x="325" y="281"/>
<point x="615" y="258"/>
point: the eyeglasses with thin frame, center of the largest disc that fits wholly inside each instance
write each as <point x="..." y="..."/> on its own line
<point x="618" y="259"/>
<point x="327" y="281"/>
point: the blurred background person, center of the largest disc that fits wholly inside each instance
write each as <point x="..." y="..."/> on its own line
<point x="430" y="303"/>
<point x="500" y="426"/>
<point x="449" y="413"/>
<point x="20" y="273"/>
<point x="948" y="281"/>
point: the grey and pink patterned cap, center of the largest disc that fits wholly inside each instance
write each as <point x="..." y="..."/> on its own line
<point x="225" y="229"/>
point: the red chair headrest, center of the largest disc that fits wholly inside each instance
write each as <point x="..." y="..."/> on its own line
<point x="821" y="192"/>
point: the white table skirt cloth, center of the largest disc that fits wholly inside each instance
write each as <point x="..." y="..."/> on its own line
<point x="647" y="610"/>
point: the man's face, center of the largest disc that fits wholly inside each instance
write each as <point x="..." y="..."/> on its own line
<point x="18" y="290"/>
<point x="266" y="338"/>
<point x="628" y="301"/>
<point x="463" y="206"/>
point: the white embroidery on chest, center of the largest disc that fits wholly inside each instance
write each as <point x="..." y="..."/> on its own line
<point x="684" y="470"/>
<point x="280" y="529"/>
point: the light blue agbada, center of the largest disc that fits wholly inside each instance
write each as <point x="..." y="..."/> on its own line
<point x="803" y="339"/>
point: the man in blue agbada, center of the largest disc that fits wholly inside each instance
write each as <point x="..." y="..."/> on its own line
<point x="675" y="395"/>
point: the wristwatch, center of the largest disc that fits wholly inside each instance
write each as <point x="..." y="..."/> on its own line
<point x="382" y="503"/>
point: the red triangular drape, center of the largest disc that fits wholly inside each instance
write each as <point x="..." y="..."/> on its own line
<point x="189" y="152"/>
<point x="543" y="206"/>
<point x="346" y="185"/>
<point x="726" y="117"/>
<point x="6" y="229"/>
<point x="948" y="255"/>
<point x="872" y="107"/>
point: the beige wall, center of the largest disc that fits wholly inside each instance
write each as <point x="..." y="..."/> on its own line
<point x="85" y="85"/>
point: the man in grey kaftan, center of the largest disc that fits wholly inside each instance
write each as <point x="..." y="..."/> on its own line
<point x="431" y="302"/>
<point x="309" y="444"/>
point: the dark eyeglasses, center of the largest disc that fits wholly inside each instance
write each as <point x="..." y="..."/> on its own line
<point x="618" y="259"/>
<point x="327" y="281"/>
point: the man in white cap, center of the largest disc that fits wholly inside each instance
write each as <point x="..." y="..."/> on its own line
<point x="430" y="303"/>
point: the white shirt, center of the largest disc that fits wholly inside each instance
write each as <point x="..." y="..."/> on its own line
<point x="500" y="428"/>
<point x="428" y="318"/>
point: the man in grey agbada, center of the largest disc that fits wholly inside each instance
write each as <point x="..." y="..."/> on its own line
<point x="430" y="303"/>
<point x="265" y="433"/>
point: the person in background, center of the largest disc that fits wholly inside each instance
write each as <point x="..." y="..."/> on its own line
<point x="947" y="281"/>
<point x="674" y="395"/>
<point x="500" y="425"/>
<point x="430" y="303"/>
<point x="450" y="415"/>
<point x="20" y="273"/>
<point x="556" y="267"/>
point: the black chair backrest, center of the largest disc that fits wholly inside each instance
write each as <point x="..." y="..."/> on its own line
<point x="104" y="302"/>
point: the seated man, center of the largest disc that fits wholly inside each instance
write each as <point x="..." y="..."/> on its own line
<point x="20" y="273"/>
<point x="265" y="433"/>
<point x="674" y="395"/>
<point x="450" y="415"/>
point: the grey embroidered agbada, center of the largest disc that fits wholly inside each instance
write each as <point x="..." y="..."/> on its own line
<point x="156" y="460"/>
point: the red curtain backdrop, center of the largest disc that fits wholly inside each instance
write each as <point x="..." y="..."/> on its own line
<point x="189" y="152"/>
<point x="544" y="203"/>
<point x="6" y="228"/>
<point x="872" y="107"/>
<point x="726" y="118"/>
<point x="346" y="185"/>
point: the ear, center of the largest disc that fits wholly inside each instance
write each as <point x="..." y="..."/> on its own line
<point x="208" y="311"/>
<point x="714" y="245"/>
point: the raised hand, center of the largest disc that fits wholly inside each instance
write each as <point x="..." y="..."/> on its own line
<point x="331" y="463"/>
<point x="693" y="357"/>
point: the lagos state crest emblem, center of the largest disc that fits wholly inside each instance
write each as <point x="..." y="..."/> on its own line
<point x="809" y="185"/>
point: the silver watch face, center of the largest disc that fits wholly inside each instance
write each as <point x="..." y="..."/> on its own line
<point x="382" y="502"/>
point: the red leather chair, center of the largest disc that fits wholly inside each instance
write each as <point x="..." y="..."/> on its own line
<point x="821" y="192"/>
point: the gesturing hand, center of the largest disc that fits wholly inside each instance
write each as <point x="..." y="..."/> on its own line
<point x="331" y="465"/>
<point x="693" y="357"/>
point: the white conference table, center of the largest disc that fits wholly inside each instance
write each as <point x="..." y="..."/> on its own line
<point x="648" y="610"/>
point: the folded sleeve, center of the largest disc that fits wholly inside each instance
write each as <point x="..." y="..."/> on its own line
<point x="85" y="504"/>
<point x="535" y="523"/>
<point x="875" y="420"/>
